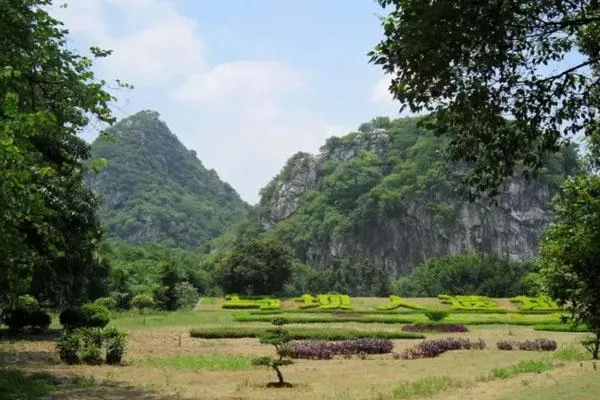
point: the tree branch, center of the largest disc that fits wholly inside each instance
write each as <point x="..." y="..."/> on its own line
<point x="569" y="70"/>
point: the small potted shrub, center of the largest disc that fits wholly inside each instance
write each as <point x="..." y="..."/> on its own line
<point x="91" y="350"/>
<point x="114" y="341"/>
<point x="68" y="347"/>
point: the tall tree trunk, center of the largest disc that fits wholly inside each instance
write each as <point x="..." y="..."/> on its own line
<point x="279" y="376"/>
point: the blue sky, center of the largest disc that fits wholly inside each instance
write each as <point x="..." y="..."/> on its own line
<point x="245" y="83"/>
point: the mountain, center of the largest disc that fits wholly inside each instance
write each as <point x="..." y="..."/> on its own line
<point x="155" y="191"/>
<point x="385" y="196"/>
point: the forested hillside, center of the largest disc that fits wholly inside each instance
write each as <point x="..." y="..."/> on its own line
<point x="155" y="191"/>
<point x="385" y="197"/>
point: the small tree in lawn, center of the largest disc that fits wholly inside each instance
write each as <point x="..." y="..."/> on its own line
<point x="142" y="302"/>
<point x="571" y="255"/>
<point x="279" y="338"/>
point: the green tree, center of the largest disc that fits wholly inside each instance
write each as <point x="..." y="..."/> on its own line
<point x="48" y="226"/>
<point x="255" y="267"/>
<point x="187" y="295"/>
<point x="570" y="253"/>
<point x="489" y="76"/>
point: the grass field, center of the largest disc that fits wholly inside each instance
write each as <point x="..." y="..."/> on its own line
<point x="164" y="362"/>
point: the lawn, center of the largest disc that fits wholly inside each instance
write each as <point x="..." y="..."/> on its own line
<point x="164" y="362"/>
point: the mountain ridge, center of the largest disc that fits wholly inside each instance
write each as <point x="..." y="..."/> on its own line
<point x="156" y="191"/>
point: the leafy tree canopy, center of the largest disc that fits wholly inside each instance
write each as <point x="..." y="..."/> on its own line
<point x="254" y="267"/>
<point x="570" y="253"/>
<point x="493" y="76"/>
<point x="49" y="231"/>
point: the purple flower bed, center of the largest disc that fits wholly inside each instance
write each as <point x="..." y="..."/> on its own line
<point x="446" y="328"/>
<point x="435" y="347"/>
<point x="324" y="350"/>
<point x="528" y="345"/>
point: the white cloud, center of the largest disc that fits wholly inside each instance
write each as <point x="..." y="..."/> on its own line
<point x="380" y="93"/>
<point x="152" y="42"/>
<point x="246" y="81"/>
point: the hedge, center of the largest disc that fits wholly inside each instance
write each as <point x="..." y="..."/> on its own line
<point x="539" y="303"/>
<point x="561" y="328"/>
<point x="469" y="302"/>
<point x="300" y="333"/>
<point x="325" y="302"/>
<point x="251" y="302"/>
<point x="397" y="302"/>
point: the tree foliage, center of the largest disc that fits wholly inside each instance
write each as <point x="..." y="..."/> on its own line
<point x="476" y="274"/>
<point x="154" y="191"/>
<point x="495" y="78"/>
<point x="254" y="267"/>
<point x="570" y="253"/>
<point x="49" y="231"/>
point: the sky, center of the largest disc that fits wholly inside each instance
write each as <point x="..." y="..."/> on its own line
<point x="244" y="83"/>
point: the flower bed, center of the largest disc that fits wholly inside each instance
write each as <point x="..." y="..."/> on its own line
<point x="435" y="347"/>
<point x="324" y="350"/>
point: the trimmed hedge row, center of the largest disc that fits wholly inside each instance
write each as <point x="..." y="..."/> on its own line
<point x="236" y="302"/>
<point x="540" y="303"/>
<point x="325" y="350"/>
<point x="561" y="328"/>
<point x="447" y="328"/>
<point x="469" y="302"/>
<point x="397" y="302"/>
<point x="436" y="347"/>
<point x="300" y="333"/>
<point x="325" y="301"/>
<point x="504" y="319"/>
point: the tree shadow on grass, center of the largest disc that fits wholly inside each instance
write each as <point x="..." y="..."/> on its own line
<point x="11" y="337"/>
<point x="18" y="384"/>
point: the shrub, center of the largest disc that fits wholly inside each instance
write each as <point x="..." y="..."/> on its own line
<point x="39" y="321"/>
<point x="16" y="318"/>
<point x="68" y="347"/>
<point x="115" y="342"/>
<point x="108" y="302"/>
<point x="251" y="302"/>
<point x="447" y="328"/>
<point x="397" y="302"/>
<point x="524" y="367"/>
<point x="142" y="302"/>
<point x="323" y="350"/>
<point x="72" y="318"/>
<point x="436" y="315"/>
<point x="539" y="303"/>
<point x="279" y="338"/>
<point x="28" y="302"/>
<point x="435" y="347"/>
<point x="187" y="294"/>
<point x="95" y="315"/>
<point x="528" y="345"/>
<point x="470" y="303"/>
<point x="91" y="353"/>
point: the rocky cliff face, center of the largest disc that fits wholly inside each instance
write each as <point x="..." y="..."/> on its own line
<point x="419" y="216"/>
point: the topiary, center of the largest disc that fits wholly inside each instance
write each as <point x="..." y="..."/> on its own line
<point x="108" y="302"/>
<point x="72" y="318"/>
<point x="436" y="315"/>
<point x="15" y="318"/>
<point x="28" y="302"/>
<point x="39" y="321"/>
<point x="279" y="338"/>
<point x="96" y="315"/>
<point x="115" y="341"/>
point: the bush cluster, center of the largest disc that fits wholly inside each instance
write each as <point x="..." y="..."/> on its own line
<point x="447" y="328"/>
<point x="397" y="302"/>
<point x="86" y="344"/>
<point x="435" y="347"/>
<point x="89" y="315"/>
<point x="20" y="318"/>
<point x="324" y="350"/>
<point x="528" y="345"/>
